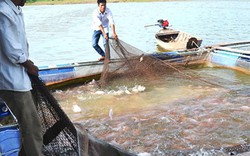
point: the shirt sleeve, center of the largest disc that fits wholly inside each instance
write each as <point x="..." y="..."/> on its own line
<point x="110" y="18"/>
<point x="96" y="20"/>
<point x="11" y="43"/>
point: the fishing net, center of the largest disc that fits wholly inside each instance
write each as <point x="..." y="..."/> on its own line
<point x="132" y="65"/>
<point x="60" y="136"/>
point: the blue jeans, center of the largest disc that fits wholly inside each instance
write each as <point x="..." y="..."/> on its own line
<point x="95" y="39"/>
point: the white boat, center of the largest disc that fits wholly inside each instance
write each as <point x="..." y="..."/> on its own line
<point x="170" y="40"/>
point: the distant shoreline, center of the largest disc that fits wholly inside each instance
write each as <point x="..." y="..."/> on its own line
<point x="55" y="2"/>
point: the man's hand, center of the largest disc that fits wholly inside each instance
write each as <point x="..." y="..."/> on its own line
<point x="31" y="68"/>
<point x="115" y="36"/>
<point x="114" y="32"/>
<point x="106" y="36"/>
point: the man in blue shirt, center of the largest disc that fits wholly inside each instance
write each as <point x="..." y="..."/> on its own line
<point x="15" y="84"/>
<point x="102" y="19"/>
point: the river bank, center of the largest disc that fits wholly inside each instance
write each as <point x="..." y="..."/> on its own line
<point x="54" y="2"/>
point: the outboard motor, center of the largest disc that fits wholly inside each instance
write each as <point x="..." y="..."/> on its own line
<point x="163" y="23"/>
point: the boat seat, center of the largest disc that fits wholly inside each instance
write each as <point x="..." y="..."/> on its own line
<point x="167" y="33"/>
<point x="182" y="37"/>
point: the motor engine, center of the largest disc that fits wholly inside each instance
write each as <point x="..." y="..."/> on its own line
<point x="163" y="23"/>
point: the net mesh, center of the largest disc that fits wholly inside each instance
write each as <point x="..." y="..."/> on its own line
<point x="59" y="134"/>
<point x="130" y="64"/>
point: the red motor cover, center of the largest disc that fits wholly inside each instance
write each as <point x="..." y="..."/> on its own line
<point x="165" y="23"/>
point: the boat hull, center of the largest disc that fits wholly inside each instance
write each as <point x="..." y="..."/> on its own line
<point x="65" y="75"/>
<point x="60" y="76"/>
<point x="227" y="55"/>
<point x="230" y="60"/>
<point x="171" y="40"/>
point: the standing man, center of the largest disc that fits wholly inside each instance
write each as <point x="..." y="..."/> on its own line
<point x="15" y="84"/>
<point x="102" y="19"/>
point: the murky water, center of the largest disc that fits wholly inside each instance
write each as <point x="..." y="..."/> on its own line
<point x="210" y="111"/>
<point x="175" y="113"/>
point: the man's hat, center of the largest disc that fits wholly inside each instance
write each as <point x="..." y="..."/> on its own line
<point x="101" y="1"/>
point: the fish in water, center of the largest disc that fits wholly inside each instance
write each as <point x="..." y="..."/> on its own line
<point x="76" y="109"/>
<point x="111" y="114"/>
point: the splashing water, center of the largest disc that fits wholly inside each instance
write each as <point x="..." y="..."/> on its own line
<point x="168" y="116"/>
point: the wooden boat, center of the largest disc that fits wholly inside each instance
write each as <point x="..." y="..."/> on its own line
<point x="63" y="75"/>
<point x="171" y="40"/>
<point x="235" y="55"/>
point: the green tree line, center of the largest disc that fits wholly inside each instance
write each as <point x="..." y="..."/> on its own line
<point x="31" y="1"/>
